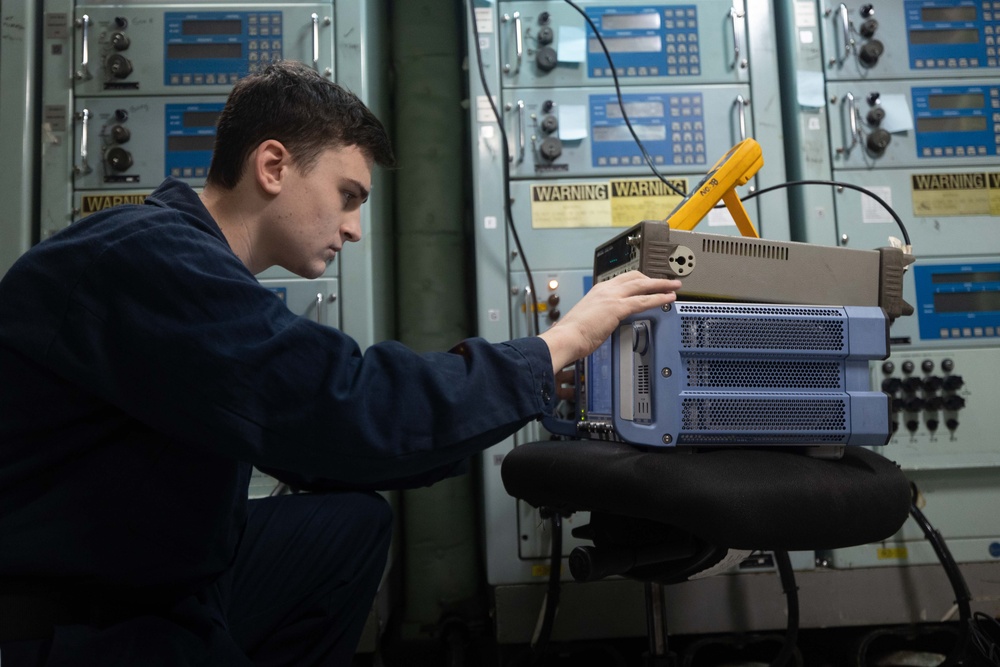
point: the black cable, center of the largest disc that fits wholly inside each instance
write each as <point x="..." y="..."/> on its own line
<point x="621" y="101"/>
<point x="505" y="159"/>
<point x="839" y="184"/>
<point x="541" y="641"/>
<point x="958" y="585"/>
<point x="788" y="585"/>
<point x="985" y="636"/>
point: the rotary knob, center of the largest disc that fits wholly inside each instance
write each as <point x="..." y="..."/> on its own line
<point x="119" y="66"/>
<point x="546" y="59"/>
<point x="119" y="159"/>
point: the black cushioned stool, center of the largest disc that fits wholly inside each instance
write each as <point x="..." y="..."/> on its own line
<point x="664" y="516"/>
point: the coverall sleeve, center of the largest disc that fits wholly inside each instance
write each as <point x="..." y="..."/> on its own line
<point x="177" y="333"/>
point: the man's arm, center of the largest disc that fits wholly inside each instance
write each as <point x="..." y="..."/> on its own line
<point x="591" y="321"/>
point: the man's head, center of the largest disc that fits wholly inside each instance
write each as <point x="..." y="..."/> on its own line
<point x="291" y="103"/>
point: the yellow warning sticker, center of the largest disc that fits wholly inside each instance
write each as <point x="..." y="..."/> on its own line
<point x="94" y="203"/>
<point x="956" y="194"/>
<point x="614" y="203"/>
<point x="893" y="553"/>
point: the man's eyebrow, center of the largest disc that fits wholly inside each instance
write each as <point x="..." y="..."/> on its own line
<point x="364" y="191"/>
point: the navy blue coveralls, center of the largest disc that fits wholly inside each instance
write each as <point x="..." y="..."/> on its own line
<point x="144" y="370"/>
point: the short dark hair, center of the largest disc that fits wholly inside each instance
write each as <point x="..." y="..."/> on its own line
<point x="295" y="105"/>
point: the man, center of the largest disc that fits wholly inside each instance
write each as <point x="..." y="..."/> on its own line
<point x="145" y="370"/>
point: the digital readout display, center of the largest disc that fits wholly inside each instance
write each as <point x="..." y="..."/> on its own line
<point x="208" y="27"/>
<point x="648" y="109"/>
<point x="201" y="118"/>
<point x="966" y="302"/>
<point x="644" y="21"/>
<point x="198" y="142"/>
<point x="957" y="101"/>
<point x="959" y="36"/>
<point x="971" y="277"/>
<point x="947" y="14"/>
<point x="952" y="124"/>
<point x="196" y="51"/>
<point x="649" y="44"/>
<point x="621" y="133"/>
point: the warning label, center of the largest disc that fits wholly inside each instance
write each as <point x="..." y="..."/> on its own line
<point x="947" y="195"/>
<point x="94" y="203"/>
<point x="613" y="203"/>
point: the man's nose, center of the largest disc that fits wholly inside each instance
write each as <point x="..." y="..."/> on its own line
<point x="352" y="230"/>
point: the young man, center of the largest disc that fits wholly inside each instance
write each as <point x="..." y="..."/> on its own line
<point x="145" y="370"/>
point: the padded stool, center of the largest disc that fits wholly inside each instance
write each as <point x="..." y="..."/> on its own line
<point x="665" y="516"/>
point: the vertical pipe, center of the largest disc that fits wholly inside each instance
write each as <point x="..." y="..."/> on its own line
<point x="439" y="530"/>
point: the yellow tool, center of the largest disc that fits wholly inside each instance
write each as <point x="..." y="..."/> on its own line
<point x="734" y="168"/>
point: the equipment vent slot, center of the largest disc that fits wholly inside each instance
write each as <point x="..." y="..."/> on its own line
<point x="699" y="307"/>
<point x="761" y="334"/>
<point x="699" y="439"/>
<point x="762" y="414"/>
<point x="764" y="374"/>
<point x="642" y="379"/>
<point x="745" y="249"/>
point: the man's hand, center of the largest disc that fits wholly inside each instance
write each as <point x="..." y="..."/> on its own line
<point x="594" y="318"/>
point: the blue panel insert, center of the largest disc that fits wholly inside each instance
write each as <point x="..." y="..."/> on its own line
<point x="653" y="40"/>
<point x="957" y="121"/>
<point x="212" y="48"/>
<point x="952" y="34"/>
<point x="670" y="125"/>
<point x="190" y="137"/>
<point x="958" y="301"/>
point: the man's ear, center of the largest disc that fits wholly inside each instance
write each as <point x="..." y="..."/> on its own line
<point x="270" y="163"/>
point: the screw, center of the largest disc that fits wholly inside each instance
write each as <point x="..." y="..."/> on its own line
<point x="665" y="372"/>
<point x="667" y="439"/>
<point x="666" y="307"/>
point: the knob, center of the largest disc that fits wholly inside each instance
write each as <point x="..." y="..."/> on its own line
<point x="952" y="424"/>
<point x="888" y="367"/>
<point x="891" y="385"/>
<point x="876" y="116"/>
<point x="867" y="10"/>
<point x="121" y="22"/>
<point x="934" y="403"/>
<point x="548" y="106"/>
<point x="120" y="134"/>
<point x="553" y="300"/>
<point x="870" y="53"/>
<point x="551" y="148"/>
<point x="120" y="41"/>
<point x="912" y="424"/>
<point x="554" y="314"/>
<point x="932" y="424"/>
<point x="119" y="66"/>
<point x="543" y="18"/>
<point x="119" y="159"/>
<point x="878" y="141"/>
<point x="545" y="35"/>
<point x="913" y="404"/>
<point x="908" y="366"/>
<point x="895" y="426"/>
<point x="954" y="403"/>
<point x="953" y="382"/>
<point x="550" y="124"/>
<point x="947" y="365"/>
<point x="932" y="383"/>
<point x="546" y="58"/>
<point x="927" y="365"/>
<point x="121" y="115"/>
<point x="912" y="384"/>
<point x="868" y="28"/>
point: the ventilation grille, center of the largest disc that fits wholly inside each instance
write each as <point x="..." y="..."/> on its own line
<point x="698" y="307"/>
<point x="698" y="439"/>
<point x="763" y="373"/>
<point x="762" y="414"/>
<point x="761" y="334"/>
<point x="744" y="249"/>
<point x="642" y="379"/>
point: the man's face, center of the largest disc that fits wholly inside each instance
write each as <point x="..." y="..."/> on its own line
<point x="319" y="211"/>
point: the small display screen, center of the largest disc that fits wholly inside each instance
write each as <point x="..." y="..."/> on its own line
<point x="186" y="142"/>
<point x="960" y="101"/>
<point x="650" y="44"/>
<point x="599" y="380"/>
<point x="966" y="302"/>
<point x="947" y="14"/>
<point x="201" y="118"/>
<point x="952" y="124"/>
<point x="649" y="109"/>
<point x="971" y="277"/>
<point x="204" y="27"/>
<point x="612" y="256"/>
<point x="963" y="36"/>
<point x="621" y="133"/>
<point x="644" y="21"/>
<point x="196" y="51"/>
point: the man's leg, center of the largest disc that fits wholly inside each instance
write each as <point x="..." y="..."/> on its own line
<point x="306" y="575"/>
